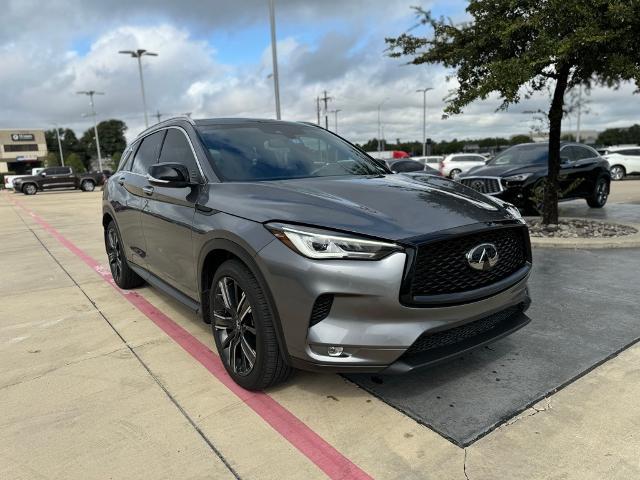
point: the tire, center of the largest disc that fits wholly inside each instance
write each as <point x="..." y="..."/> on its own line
<point x="87" y="186"/>
<point x="243" y="328"/>
<point x="454" y="172"/>
<point x="598" y="198"/>
<point x="29" y="189"/>
<point x="122" y="274"/>
<point x="618" y="172"/>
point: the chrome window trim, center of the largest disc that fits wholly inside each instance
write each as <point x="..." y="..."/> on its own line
<point x="144" y="135"/>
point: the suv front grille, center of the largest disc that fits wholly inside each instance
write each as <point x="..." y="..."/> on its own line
<point x="487" y="185"/>
<point x="441" y="267"/>
<point x="429" y="341"/>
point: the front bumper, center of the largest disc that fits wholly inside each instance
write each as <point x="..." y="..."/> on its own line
<point x="366" y="318"/>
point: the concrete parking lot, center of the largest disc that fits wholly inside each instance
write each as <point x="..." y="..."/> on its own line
<point x="100" y="383"/>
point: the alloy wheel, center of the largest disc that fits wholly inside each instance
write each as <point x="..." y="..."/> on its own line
<point x="234" y="326"/>
<point x="617" y="173"/>
<point x="601" y="192"/>
<point x="114" y="252"/>
<point x="30" y="189"/>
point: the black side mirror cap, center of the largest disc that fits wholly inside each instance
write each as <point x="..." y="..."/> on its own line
<point x="169" y="175"/>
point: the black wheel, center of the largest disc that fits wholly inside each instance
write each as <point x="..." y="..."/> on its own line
<point x="122" y="274"/>
<point x="617" y="172"/>
<point x="29" y="189"/>
<point x="454" y="172"/>
<point x="600" y="194"/>
<point x="87" y="186"/>
<point x="243" y="328"/>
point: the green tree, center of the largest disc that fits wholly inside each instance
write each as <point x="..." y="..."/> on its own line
<point x="112" y="139"/>
<point x="619" y="136"/>
<point x="75" y="162"/>
<point x="519" y="47"/>
<point x="517" y="139"/>
<point x="68" y="140"/>
<point x="115" y="161"/>
<point x="52" y="159"/>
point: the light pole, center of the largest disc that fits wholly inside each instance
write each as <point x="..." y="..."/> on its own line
<point x="335" y="113"/>
<point x="424" y="118"/>
<point x="380" y="124"/>
<point x="59" y="144"/>
<point x="138" y="54"/>
<point x="90" y="94"/>
<point x="274" y="56"/>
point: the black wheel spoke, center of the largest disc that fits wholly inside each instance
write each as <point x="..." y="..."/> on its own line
<point x="248" y="352"/>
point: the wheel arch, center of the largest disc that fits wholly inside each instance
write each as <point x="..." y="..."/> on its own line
<point x="215" y="253"/>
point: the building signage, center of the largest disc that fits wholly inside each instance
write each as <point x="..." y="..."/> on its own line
<point x="22" y="137"/>
<point x="26" y="158"/>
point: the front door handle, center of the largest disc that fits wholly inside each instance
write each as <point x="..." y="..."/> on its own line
<point x="121" y="180"/>
<point x="148" y="190"/>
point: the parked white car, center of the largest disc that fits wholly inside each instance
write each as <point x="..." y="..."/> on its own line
<point x="623" y="160"/>
<point x="455" y="164"/>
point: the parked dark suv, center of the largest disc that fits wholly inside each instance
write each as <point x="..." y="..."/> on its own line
<point x="57" y="177"/>
<point x="517" y="175"/>
<point x="302" y="251"/>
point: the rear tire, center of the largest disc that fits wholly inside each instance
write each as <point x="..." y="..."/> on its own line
<point x="598" y="198"/>
<point x="29" y="189"/>
<point x="454" y="172"/>
<point x="122" y="274"/>
<point x="87" y="186"/>
<point x="243" y="328"/>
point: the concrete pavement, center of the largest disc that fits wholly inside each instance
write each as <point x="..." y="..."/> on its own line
<point x="91" y="388"/>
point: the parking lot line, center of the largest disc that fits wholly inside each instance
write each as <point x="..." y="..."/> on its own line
<point x="302" y="437"/>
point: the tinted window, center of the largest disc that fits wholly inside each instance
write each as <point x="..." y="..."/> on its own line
<point x="275" y="151"/>
<point x="147" y="154"/>
<point x="125" y="161"/>
<point x="628" y="151"/>
<point x="522" y="155"/>
<point x="49" y="171"/>
<point x="176" y="149"/>
<point x="407" y="166"/>
<point x="63" y="171"/>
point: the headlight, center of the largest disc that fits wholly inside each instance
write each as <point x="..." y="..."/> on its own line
<point x="517" y="178"/>
<point x="323" y="244"/>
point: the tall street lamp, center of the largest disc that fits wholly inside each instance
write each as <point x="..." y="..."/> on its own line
<point x="380" y="124"/>
<point x="59" y="144"/>
<point x="274" y="56"/>
<point x="138" y="54"/>
<point x="90" y="94"/>
<point x="335" y="113"/>
<point x="424" y="118"/>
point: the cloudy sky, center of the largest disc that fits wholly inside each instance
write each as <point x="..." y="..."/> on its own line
<point x="214" y="60"/>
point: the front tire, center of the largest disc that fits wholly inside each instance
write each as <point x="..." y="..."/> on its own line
<point x="29" y="189"/>
<point x="243" y="328"/>
<point x="121" y="272"/>
<point x="454" y="172"/>
<point x="618" y="172"/>
<point x="598" y="198"/>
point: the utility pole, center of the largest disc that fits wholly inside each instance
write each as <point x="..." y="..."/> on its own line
<point x="318" y="109"/>
<point x="158" y="115"/>
<point x="579" y="112"/>
<point x="326" y="99"/>
<point x="274" y="56"/>
<point x="335" y="113"/>
<point x="424" y="118"/>
<point x="59" y="145"/>
<point x="138" y="54"/>
<point x="380" y="125"/>
<point x="90" y="94"/>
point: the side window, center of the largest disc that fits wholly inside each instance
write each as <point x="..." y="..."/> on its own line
<point x="582" y="153"/>
<point x="176" y="149"/>
<point x="64" y="171"/>
<point x="568" y="154"/>
<point x="49" y="171"/>
<point x="125" y="161"/>
<point x="147" y="154"/>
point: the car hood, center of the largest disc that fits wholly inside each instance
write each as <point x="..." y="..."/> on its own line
<point x="502" y="170"/>
<point x="393" y="207"/>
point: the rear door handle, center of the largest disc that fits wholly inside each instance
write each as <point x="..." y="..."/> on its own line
<point x="121" y="180"/>
<point x="147" y="190"/>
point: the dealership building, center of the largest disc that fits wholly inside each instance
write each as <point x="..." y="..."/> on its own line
<point x="21" y="150"/>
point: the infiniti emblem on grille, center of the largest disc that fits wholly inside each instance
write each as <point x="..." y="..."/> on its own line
<point x="483" y="257"/>
<point x="477" y="184"/>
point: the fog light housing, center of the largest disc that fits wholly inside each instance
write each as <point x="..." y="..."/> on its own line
<point x="334" y="351"/>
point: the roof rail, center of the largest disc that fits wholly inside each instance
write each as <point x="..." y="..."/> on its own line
<point x="162" y="123"/>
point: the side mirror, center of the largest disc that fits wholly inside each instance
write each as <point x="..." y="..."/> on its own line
<point x="43" y="174"/>
<point x="169" y="175"/>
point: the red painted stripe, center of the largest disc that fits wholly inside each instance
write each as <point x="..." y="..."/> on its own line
<point x="294" y="430"/>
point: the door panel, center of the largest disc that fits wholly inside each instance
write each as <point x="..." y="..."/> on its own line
<point x="167" y="220"/>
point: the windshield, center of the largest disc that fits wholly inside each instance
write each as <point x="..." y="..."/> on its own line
<point x="522" y="155"/>
<point x="277" y="151"/>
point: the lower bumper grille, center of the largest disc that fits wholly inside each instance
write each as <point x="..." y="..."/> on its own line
<point x="321" y="309"/>
<point x="430" y="341"/>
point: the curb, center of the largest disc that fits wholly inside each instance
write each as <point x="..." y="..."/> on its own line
<point x="627" y="241"/>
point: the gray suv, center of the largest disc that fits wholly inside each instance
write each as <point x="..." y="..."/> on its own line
<point x="304" y="252"/>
